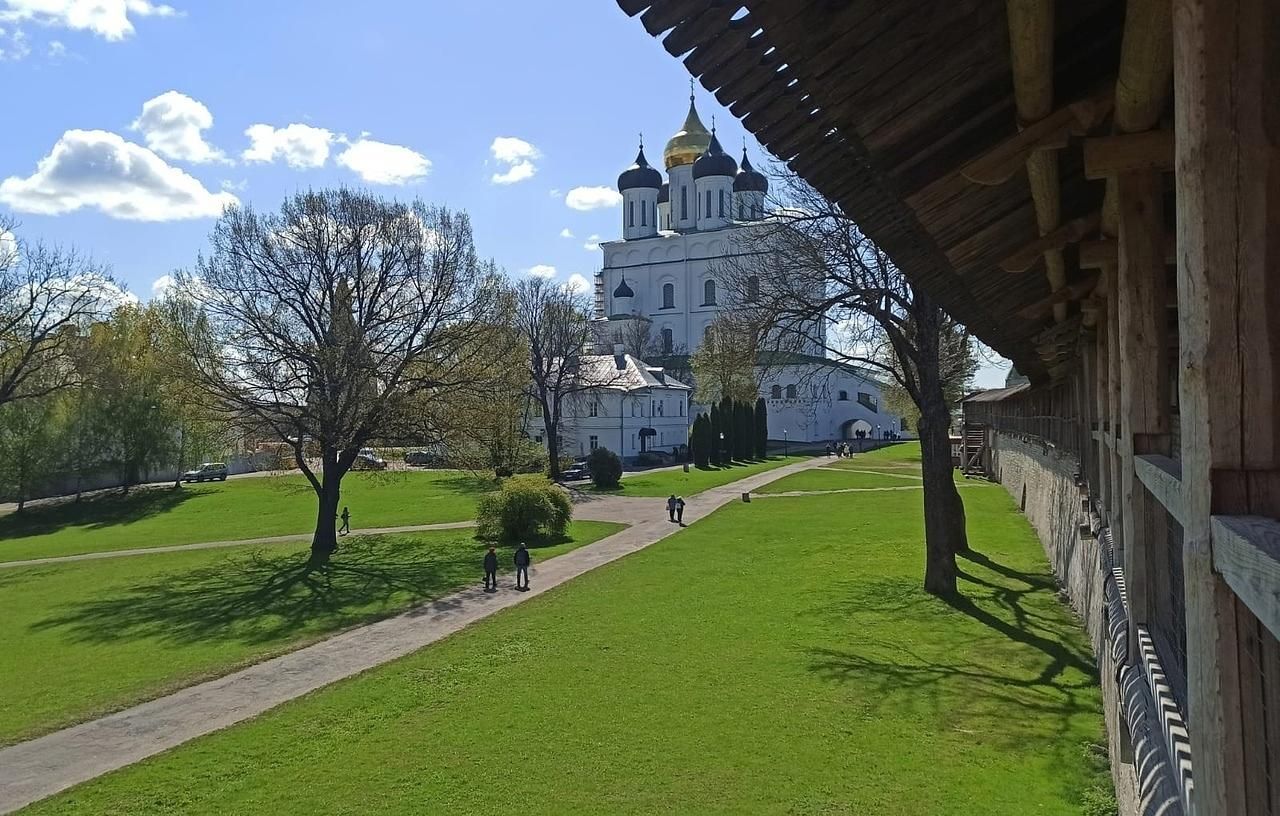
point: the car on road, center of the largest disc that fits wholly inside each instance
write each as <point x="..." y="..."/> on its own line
<point x="575" y="472"/>
<point x="207" y="472"/>
<point x="420" y="458"/>
<point x="368" y="459"/>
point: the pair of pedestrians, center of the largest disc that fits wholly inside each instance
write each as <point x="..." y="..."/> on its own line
<point x="522" y="561"/>
<point x="675" y="508"/>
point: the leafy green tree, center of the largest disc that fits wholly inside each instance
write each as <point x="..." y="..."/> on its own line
<point x="761" y="428"/>
<point x="526" y="508"/>
<point x="28" y="446"/>
<point x="605" y="467"/>
<point x="702" y="441"/>
<point x="728" y="425"/>
<point x="715" y="430"/>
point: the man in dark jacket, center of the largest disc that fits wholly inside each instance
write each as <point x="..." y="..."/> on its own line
<point x="522" y="566"/>
<point x="491" y="570"/>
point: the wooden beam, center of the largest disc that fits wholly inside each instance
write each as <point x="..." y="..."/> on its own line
<point x="1001" y="162"/>
<point x="1246" y="550"/>
<point x="1066" y="294"/>
<point x="1162" y="477"/>
<point x="1106" y="156"/>
<point x="1227" y="104"/>
<point x="1069" y="233"/>
<point x="1105" y="251"/>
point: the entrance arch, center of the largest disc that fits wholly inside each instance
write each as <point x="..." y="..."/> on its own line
<point x="850" y="429"/>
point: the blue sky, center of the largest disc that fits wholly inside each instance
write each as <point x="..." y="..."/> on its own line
<point x="257" y="99"/>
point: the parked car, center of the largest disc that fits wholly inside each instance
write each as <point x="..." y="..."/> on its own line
<point x="575" y="473"/>
<point x="368" y="459"/>
<point x="207" y="472"/>
<point x="420" y="458"/>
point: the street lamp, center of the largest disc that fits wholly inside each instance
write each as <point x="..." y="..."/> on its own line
<point x="785" y="449"/>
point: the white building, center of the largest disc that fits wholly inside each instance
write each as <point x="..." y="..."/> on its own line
<point x="660" y="279"/>
<point x="629" y="407"/>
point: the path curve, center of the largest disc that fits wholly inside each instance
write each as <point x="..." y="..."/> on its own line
<point x="33" y="770"/>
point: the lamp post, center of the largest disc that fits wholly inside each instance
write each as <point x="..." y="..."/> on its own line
<point x="786" y="450"/>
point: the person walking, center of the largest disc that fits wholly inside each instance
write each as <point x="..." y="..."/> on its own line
<point x="680" y="510"/>
<point x="346" y="522"/>
<point x="671" y="507"/>
<point x="491" y="570"/>
<point x="522" y="567"/>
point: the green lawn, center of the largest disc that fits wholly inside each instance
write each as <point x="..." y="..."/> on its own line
<point x="238" y="508"/>
<point x="675" y="480"/>
<point x="778" y="657"/>
<point x="83" y="638"/>
<point x="824" y="479"/>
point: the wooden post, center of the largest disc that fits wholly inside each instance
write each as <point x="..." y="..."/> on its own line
<point x="1115" y="518"/>
<point x="1102" y="397"/>
<point x="1144" y="356"/>
<point x="1227" y="131"/>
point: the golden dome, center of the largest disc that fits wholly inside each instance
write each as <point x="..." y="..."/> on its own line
<point x="690" y="142"/>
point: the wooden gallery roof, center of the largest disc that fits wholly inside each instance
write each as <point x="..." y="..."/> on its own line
<point x="908" y="114"/>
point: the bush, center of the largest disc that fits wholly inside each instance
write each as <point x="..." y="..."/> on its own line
<point x="649" y="458"/>
<point x="605" y="467"/>
<point x="526" y="508"/>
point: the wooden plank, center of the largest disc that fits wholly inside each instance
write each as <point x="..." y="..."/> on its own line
<point x="1001" y="162"/>
<point x="1162" y="476"/>
<point x="1106" y="156"/>
<point x="1103" y="251"/>
<point x="1069" y="233"/>
<point x="1246" y="551"/>
<point x="1227" y="104"/>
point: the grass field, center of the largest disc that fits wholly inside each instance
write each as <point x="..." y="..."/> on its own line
<point x="825" y="479"/>
<point x="778" y="657"/>
<point x="235" y="509"/>
<point x="84" y="638"/>
<point x="675" y="480"/>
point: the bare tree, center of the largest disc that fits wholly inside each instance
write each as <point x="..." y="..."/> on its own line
<point x="811" y="274"/>
<point x="553" y="320"/>
<point x="48" y="295"/>
<point x="728" y="363"/>
<point x="327" y="320"/>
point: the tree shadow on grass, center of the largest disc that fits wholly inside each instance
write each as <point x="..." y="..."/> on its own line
<point x="95" y="512"/>
<point x="259" y="598"/>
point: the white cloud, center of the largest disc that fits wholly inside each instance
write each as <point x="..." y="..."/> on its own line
<point x="99" y="169"/>
<point x="578" y="283"/>
<point x="566" y="233"/>
<point x="382" y="163"/>
<point x="8" y="250"/>
<point x="592" y="198"/>
<point x="161" y="286"/>
<point x="301" y="146"/>
<point x="13" y="45"/>
<point x="234" y="186"/>
<point x="172" y="125"/>
<point x="518" y="156"/>
<point x="109" y="19"/>
<point x="554" y="192"/>
<point x="592" y="244"/>
<point x="56" y="50"/>
<point x="541" y="271"/>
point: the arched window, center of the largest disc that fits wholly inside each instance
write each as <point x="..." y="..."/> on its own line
<point x="708" y="203"/>
<point x="753" y="288"/>
<point x="844" y="396"/>
<point x="668" y="296"/>
<point x="667" y="342"/>
<point x="631" y="214"/>
<point x="791" y="392"/>
<point x="709" y="293"/>
<point x="644" y="213"/>
<point x="722" y="203"/>
<point x="684" y="202"/>
<point x="775" y="392"/>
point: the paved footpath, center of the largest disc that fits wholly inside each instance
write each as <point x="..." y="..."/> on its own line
<point x="33" y="770"/>
<point x="212" y="545"/>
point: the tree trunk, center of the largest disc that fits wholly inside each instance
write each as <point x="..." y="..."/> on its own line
<point x="325" y="539"/>
<point x="551" y="430"/>
<point x="944" y="521"/>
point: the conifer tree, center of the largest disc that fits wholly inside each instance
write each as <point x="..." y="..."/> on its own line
<point x="762" y="428"/>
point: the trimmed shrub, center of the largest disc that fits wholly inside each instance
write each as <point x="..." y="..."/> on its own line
<point x="762" y="428"/>
<point x="701" y="441"/>
<point x="526" y="508"/>
<point x="605" y="467"/>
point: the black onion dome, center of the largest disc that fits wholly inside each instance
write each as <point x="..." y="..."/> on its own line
<point x="664" y="193"/>
<point x="639" y="175"/>
<point x="750" y="180"/>
<point x="715" y="162"/>
<point x="623" y="290"/>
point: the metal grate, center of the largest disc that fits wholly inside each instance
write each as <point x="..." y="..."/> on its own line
<point x="1168" y="611"/>
<point x="1260" y="713"/>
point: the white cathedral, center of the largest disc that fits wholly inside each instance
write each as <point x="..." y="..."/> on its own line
<point x="660" y="279"/>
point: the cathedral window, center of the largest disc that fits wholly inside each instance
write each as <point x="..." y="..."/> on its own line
<point x="684" y="202"/>
<point x="709" y="293"/>
<point x="644" y="214"/>
<point x="708" y="203"/>
<point x="753" y="288"/>
<point x="844" y="396"/>
<point x="775" y="392"/>
<point x="631" y="214"/>
<point x="722" y="203"/>
<point x="791" y="392"/>
<point x="667" y="340"/>
<point x="668" y="296"/>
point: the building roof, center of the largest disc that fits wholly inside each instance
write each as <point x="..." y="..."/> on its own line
<point x="624" y="372"/>
<point x="749" y="179"/>
<point x="689" y="142"/>
<point x="714" y="162"/>
<point x="886" y="108"/>
<point x="996" y="394"/>
<point x="639" y="175"/>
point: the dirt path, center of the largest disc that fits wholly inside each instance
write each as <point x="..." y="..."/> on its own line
<point x="33" y="770"/>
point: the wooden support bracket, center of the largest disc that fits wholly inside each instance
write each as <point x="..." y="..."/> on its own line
<point x="1069" y="233"/>
<point x="1106" y="156"/>
<point x="1001" y="162"/>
